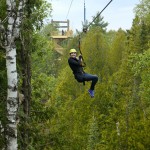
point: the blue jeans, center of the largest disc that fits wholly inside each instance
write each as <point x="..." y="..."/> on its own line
<point x="90" y="77"/>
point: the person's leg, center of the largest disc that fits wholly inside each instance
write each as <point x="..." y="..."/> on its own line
<point x="90" y="77"/>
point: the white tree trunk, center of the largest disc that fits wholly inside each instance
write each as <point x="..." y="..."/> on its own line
<point x="12" y="103"/>
<point x="13" y="28"/>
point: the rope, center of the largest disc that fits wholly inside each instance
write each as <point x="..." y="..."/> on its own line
<point x="81" y="52"/>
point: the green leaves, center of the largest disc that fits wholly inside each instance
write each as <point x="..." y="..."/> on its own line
<point x="37" y="11"/>
<point x="143" y="10"/>
<point x="99" y="23"/>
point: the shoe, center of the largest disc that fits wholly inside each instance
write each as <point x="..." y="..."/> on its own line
<point x="91" y="92"/>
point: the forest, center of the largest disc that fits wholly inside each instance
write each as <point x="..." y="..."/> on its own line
<point x="42" y="106"/>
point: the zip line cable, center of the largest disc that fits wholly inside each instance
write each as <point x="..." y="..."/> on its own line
<point x="69" y="9"/>
<point x="99" y="14"/>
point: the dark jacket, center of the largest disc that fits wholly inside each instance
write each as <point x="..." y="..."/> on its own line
<point x="77" y="68"/>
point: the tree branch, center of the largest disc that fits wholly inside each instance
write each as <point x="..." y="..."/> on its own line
<point x="19" y="17"/>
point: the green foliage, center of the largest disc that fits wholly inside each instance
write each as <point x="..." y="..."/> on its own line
<point x="117" y="49"/>
<point x="93" y="133"/>
<point x="139" y="33"/>
<point x="42" y="87"/>
<point x="44" y="62"/>
<point x="98" y="22"/>
<point x="36" y="11"/>
<point x="43" y="56"/>
<point x="141" y="68"/>
<point x="94" y="44"/>
<point x="143" y="10"/>
<point x="3" y="8"/>
<point x="48" y="30"/>
<point x="117" y="118"/>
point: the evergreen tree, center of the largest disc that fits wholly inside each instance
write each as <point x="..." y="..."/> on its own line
<point x="117" y="50"/>
<point x="98" y="22"/>
<point x="93" y="134"/>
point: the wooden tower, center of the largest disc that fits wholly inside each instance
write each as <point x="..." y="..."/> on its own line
<point x="62" y="35"/>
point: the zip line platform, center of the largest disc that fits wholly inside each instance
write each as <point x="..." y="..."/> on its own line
<point x="59" y="37"/>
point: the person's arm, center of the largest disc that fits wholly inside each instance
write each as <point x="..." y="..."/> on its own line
<point x="81" y="60"/>
<point x="74" y="62"/>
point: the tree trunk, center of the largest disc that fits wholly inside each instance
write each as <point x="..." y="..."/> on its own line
<point x="13" y="29"/>
<point x="12" y="103"/>
<point x="26" y="88"/>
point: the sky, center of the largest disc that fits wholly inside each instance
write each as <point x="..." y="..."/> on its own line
<point x="119" y="14"/>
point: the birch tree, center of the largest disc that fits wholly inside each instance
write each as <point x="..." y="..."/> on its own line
<point x="9" y="33"/>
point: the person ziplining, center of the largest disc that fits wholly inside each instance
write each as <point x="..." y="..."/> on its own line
<point x="76" y="65"/>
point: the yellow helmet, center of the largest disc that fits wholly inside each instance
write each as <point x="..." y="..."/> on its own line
<point x="72" y="51"/>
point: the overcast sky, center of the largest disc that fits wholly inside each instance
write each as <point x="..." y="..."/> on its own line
<point x="118" y="14"/>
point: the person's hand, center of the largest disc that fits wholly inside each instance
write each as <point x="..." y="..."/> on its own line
<point x="80" y="57"/>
